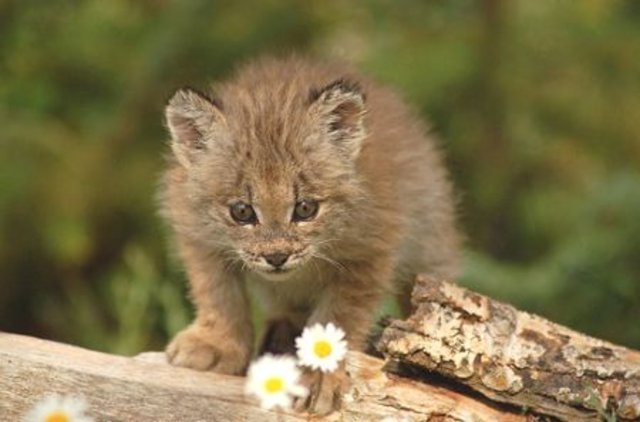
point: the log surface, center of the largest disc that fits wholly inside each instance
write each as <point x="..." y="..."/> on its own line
<point x="146" y="388"/>
<point x="514" y="357"/>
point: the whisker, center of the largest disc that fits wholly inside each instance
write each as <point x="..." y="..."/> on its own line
<point x="330" y="261"/>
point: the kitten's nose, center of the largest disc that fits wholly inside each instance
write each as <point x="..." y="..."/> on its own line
<point x="276" y="259"/>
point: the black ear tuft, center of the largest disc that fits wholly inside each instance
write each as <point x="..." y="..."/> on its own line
<point x="200" y="93"/>
<point x="341" y="85"/>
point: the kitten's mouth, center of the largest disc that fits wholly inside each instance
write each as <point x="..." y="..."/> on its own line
<point x="277" y="274"/>
<point x="280" y="272"/>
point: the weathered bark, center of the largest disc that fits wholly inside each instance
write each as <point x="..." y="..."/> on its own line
<point x="514" y="357"/>
<point x="148" y="389"/>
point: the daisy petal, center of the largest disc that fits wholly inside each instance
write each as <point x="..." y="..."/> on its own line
<point x="274" y="380"/>
<point x="321" y="347"/>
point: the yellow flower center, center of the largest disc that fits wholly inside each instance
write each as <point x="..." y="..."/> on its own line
<point x="57" y="416"/>
<point x="322" y="348"/>
<point x="274" y="385"/>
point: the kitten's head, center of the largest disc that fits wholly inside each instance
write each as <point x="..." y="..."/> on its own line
<point x="270" y="172"/>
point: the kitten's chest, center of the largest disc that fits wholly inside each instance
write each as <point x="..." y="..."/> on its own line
<point x="299" y="293"/>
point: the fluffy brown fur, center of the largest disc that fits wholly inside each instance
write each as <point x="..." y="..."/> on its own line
<point x="282" y="131"/>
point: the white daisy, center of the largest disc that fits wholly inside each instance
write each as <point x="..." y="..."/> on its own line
<point x="275" y="381"/>
<point x="56" y="408"/>
<point x="321" y="347"/>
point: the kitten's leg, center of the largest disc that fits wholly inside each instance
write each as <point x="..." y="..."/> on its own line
<point x="350" y="302"/>
<point x="221" y="336"/>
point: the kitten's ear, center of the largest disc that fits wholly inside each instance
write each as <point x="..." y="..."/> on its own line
<point x="194" y="120"/>
<point x="341" y="109"/>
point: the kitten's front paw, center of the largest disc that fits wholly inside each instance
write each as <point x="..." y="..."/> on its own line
<point x="325" y="391"/>
<point x="198" y="347"/>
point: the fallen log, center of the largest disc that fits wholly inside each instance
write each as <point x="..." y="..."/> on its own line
<point x="500" y="364"/>
<point x="514" y="357"/>
<point x="146" y="388"/>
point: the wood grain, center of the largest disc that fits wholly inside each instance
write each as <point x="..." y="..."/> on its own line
<point x="146" y="388"/>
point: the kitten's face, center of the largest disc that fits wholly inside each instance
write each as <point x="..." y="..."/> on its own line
<point x="274" y="218"/>
<point x="271" y="186"/>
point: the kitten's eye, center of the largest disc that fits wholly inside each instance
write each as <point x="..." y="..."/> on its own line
<point x="243" y="213"/>
<point x="305" y="210"/>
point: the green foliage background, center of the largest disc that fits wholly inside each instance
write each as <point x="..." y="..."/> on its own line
<point x="537" y="104"/>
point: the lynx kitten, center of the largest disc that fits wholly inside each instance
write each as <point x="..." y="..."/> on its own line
<point x="313" y="187"/>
